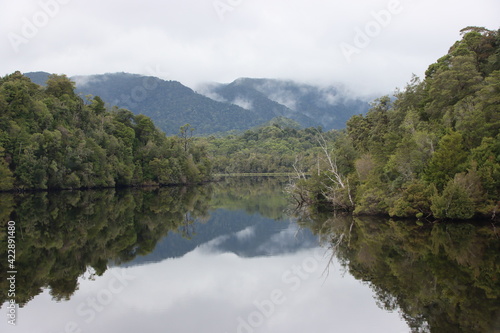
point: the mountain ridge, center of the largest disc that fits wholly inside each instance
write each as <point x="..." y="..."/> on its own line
<point x="218" y="108"/>
<point x="328" y="107"/>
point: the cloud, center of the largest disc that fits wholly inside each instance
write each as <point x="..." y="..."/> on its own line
<point x="243" y="103"/>
<point x="285" y="39"/>
<point x="82" y="81"/>
<point x="208" y="91"/>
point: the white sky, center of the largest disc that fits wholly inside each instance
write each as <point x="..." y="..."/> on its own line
<point x="191" y="41"/>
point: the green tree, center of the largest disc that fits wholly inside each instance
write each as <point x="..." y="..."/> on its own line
<point x="60" y="85"/>
<point x="6" y="176"/>
<point x="453" y="203"/>
<point x="447" y="160"/>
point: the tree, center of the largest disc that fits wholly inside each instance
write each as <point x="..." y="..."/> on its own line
<point x="6" y="176"/>
<point x="453" y="203"/>
<point x="98" y="105"/>
<point x="452" y="83"/>
<point x="448" y="160"/>
<point x="415" y="201"/>
<point x="186" y="135"/>
<point x="60" y="85"/>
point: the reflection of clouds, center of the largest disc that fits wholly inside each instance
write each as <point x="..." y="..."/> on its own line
<point x="213" y="244"/>
<point x="266" y="239"/>
<point x="208" y="292"/>
<point x="284" y="241"/>
<point x="245" y="234"/>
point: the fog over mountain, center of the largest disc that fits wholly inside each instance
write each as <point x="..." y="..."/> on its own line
<point x="329" y="107"/>
<point x="218" y="108"/>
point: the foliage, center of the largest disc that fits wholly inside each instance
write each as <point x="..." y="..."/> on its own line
<point x="267" y="149"/>
<point x="51" y="139"/>
<point x="435" y="148"/>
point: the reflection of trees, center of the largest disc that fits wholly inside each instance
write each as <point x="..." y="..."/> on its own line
<point x="263" y="195"/>
<point x="62" y="236"/>
<point x="444" y="278"/>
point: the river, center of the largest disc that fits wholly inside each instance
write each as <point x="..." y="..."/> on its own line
<point x="235" y="257"/>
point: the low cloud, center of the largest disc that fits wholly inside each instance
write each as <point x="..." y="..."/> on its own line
<point x="243" y="103"/>
<point x="83" y="80"/>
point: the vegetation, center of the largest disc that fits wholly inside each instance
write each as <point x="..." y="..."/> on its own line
<point x="275" y="148"/>
<point x="434" y="150"/>
<point x="50" y="138"/>
<point x="168" y="103"/>
<point x="236" y="106"/>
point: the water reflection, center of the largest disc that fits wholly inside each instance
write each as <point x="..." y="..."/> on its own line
<point x="212" y="292"/>
<point x="220" y="258"/>
<point x="61" y="236"/>
<point x="444" y="277"/>
<point x="227" y="258"/>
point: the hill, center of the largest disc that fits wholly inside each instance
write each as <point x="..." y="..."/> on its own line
<point x="168" y="103"/>
<point x="432" y="151"/>
<point x="309" y="105"/>
<point x="218" y="108"/>
<point x="51" y="139"/>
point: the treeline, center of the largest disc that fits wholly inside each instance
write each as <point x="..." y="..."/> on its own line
<point x="433" y="150"/>
<point x="50" y="138"/>
<point x="278" y="147"/>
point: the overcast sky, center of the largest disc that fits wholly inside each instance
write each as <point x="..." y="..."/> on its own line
<point x="371" y="46"/>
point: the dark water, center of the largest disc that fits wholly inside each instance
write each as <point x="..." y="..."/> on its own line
<point x="235" y="257"/>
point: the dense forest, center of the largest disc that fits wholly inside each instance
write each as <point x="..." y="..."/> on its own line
<point x="51" y="138"/>
<point x="432" y="150"/>
<point x="169" y="104"/>
<point x="276" y="147"/>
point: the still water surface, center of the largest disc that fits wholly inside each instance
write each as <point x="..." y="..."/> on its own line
<point x="227" y="257"/>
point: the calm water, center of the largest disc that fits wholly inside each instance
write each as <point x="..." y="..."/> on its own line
<point x="233" y="257"/>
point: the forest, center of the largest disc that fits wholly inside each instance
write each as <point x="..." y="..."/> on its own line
<point x="275" y="147"/>
<point x="432" y="151"/>
<point x="51" y="138"/>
